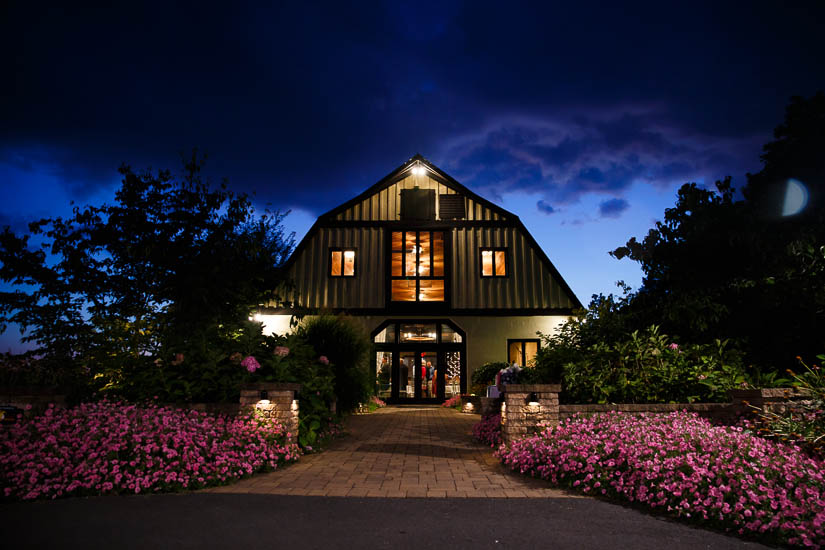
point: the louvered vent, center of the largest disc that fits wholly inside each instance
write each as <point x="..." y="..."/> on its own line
<point x="451" y="207"/>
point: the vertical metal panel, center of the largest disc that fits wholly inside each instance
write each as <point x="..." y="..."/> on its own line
<point x="316" y="289"/>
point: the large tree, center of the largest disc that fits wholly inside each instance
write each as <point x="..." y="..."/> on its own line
<point x="753" y="268"/>
<point x="143" y="292"/>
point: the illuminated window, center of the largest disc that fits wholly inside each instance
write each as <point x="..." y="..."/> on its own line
<point x="417" y="266"/>
<point x="341" y="262"/>
<point x="522" y="352"/>
<point x="493" y="262"/>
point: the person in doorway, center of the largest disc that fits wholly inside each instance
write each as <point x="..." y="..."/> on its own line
<point x="403" y="377"/>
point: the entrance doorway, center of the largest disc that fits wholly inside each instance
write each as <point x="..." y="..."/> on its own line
<point x="419" y="361"/>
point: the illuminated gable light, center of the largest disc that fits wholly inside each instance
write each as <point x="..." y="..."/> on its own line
<point x="418" y="170"/>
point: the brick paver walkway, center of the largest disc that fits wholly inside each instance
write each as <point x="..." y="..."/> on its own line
<point x="410" y="451"/>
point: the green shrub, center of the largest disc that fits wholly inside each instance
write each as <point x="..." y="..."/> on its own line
<point x="802" y="423"/>
<point x="646" y="367"/>
<point x="485" y="375"/>
<point x="347" y="346"/>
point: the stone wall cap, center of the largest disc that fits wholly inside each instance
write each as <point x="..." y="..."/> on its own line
<point x="271" y="386"/>
<point x="529" y="388"/>
<point x="775" y="393"/>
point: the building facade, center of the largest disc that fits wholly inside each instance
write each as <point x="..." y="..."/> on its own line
<point x="441" y="278"/>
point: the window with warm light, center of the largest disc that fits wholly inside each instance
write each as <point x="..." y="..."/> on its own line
<point x="493" y="262"/>
<point x="522" y="352"/>
<point x="417" y="266"/>
<point x="341" y="262"/>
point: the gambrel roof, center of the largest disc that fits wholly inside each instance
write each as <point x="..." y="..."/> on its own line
<point x="379" y="207"/>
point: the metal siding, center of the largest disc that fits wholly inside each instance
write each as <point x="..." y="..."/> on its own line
<point x="317" y="290"/>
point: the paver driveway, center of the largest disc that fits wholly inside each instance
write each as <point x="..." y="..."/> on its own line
<point x="408" y="451"/>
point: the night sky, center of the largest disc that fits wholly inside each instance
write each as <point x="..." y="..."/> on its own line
<point x="583" y="119"/>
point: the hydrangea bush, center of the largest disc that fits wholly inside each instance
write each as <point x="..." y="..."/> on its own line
<point x="111" y="447"/>
<point x="488" y="430"/>
<point x="681" y="464"/>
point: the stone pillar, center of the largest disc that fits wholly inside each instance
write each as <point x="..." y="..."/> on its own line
<point x="490" y="406"/>
<point x="527" y="405"/>
<point x="275" y="400"/>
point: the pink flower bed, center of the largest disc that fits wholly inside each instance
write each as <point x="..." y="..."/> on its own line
<point x="110" y="447"/>
<point x="683" y="465"/>
<point x="454" y="401"/>
<point x="488" y="430"/>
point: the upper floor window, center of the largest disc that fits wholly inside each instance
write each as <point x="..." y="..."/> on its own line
<point x="493" y="262"/>
<point x="341" y="262"/>
<point x="417" y="266"/>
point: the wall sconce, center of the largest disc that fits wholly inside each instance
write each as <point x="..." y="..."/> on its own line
<point x="533" y="405"/>
<point x="468" y="407"/>
<point x="294" y="405"/>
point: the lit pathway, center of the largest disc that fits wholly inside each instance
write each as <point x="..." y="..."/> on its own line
<point x="411" y="451"/>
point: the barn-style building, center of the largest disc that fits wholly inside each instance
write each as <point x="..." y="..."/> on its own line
<point x="441" y="278"/>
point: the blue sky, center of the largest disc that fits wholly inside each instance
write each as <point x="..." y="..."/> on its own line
<point x="581" y="118"/>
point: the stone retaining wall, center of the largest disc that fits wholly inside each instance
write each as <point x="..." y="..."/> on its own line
<point x="31" y="400"/>
<point x="526" y="407"/>
<point x="723" y="413"/>
<point x="275" y="400"/>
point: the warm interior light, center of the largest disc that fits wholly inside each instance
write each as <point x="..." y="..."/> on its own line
<point x="349" y="254"/>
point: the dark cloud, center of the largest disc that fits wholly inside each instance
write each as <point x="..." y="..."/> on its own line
<point x="16" y="224"/>
<point x="545" y="208"/>
<point x="564" y="157"/>
<point x="308" y="104"/>
<point x="613" y="208"/>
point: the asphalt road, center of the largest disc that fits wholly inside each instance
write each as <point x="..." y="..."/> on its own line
<point x="201" y="521"/>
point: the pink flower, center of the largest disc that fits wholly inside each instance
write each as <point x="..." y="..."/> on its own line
<point x="323" y="360"/>
<point x="250" y="363"/>
<point x="281" y="351"/>
<point x="674" y="346"/>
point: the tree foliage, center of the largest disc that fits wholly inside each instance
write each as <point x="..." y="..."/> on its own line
<point x="161" y="278"/>
<point x="723" y="266"/>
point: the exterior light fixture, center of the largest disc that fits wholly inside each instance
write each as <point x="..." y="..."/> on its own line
<point x="533" y="404"/>
<point x="418" y="170"/>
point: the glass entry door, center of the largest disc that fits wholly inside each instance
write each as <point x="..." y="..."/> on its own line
<point x="418" y="360"/>
<point x="418" y="376"/>
<point x="405" y="381"/>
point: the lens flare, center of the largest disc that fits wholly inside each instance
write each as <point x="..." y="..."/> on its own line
<point x="796" y="198"/>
